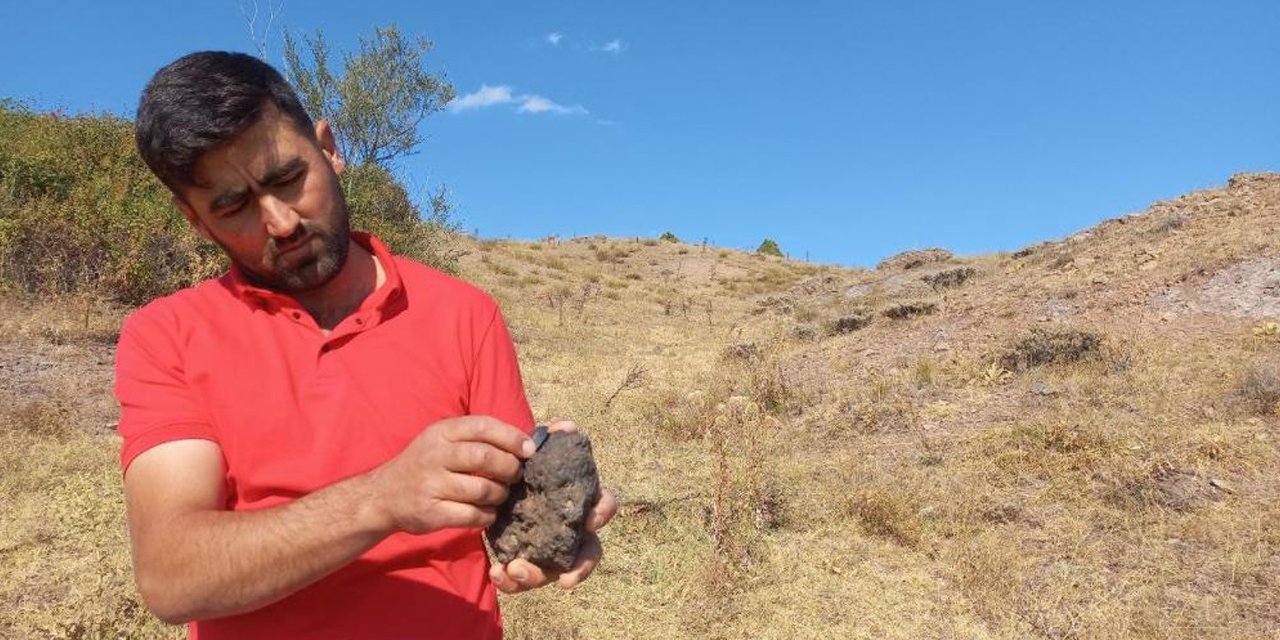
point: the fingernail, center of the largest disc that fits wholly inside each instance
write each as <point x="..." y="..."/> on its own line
<point x="528" y="448"/>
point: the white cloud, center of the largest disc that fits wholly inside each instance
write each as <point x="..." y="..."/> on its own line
<point x="554" y="37"/>
<point x="539" y="104"/>
<point x="612" y="46"/>
<point x="487" y="96"/>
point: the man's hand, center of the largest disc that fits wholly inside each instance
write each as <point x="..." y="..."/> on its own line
<point x="522" y="575"/>
<point x="454" y="474"/>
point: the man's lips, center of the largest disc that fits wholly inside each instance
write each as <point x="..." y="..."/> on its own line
<point x="293" y="251"/>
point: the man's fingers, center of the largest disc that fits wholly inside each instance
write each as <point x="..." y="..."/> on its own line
<point x="491" y="431"/>
<point x="464" y="515"/>
<point x="518" y="575"/>
<point x="603" y="510"/>
<point x="502" y="581"/>
<point x="527" y="574"/>
<point x="588" y="557"/>
<point x="560" y="424"/>
<point x="483" y="459"/>
<point x="475" y="491"/>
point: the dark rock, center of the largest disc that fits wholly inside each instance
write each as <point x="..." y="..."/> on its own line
<point x="542" y="520"/>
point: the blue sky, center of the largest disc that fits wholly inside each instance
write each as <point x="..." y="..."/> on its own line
<point x="847" y="131"/>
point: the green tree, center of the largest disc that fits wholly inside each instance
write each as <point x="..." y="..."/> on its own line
<point x="375" y="105"/>
<point x="769" y="248"/>
<point x="379" y="98"/>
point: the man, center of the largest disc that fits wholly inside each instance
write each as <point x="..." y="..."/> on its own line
<point x="314" y="441"/>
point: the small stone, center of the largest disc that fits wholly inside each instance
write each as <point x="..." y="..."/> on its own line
<point x="543" y="518"/>
<point x="1219" y="484"/>
<point x="1042" y="389"/>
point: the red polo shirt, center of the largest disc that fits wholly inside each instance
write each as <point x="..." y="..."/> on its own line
<point x="294" y="410"/>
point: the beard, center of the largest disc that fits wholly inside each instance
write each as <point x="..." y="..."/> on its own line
<point x="289" y="267"/>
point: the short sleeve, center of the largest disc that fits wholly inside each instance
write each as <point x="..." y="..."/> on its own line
<point x="496" y="386"/>
<point x="156" y="403"/>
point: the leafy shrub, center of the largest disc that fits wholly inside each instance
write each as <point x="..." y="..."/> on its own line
<point x="669" y="237"/>
<point x="769" y="248"/>
<point x="80" y="211"/>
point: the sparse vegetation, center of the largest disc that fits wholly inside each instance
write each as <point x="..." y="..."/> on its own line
<point x="1106" y="474"/>
<point x="1259" y="388"/>
<point x="851" y="322"/>
<point x="949" y="278"/>
<point x="911" y="309"/>
<point x="1043" y="347"/>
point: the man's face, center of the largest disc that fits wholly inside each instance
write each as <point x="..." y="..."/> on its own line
<point x="271" y="199"/>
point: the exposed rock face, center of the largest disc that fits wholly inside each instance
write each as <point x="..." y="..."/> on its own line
<point x="914" y="258"/>
<point x="542" y="520"/>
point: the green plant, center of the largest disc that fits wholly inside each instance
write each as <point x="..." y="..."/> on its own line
<point x="377" y="101"/>
<point x="669" y="237"/>
<point x="769" y="248"/>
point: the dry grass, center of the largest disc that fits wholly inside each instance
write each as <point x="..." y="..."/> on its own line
<point x="885" y="482"/>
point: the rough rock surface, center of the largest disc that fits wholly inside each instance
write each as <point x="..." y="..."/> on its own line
<point x="542" y="520"/>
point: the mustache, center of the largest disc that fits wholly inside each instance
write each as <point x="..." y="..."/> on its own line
<point x="276" y="246"/>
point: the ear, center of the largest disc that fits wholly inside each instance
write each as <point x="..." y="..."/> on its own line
<point x="329" y="146"/>
<point x="195" y="221"/>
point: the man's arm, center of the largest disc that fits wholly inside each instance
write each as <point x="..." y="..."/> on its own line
<point x="195" y="560"/>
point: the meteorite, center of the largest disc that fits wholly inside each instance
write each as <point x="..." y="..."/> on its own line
<point x="543" y="518"/>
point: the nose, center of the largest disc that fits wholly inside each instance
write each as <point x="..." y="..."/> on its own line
<point x="278" y="217"/>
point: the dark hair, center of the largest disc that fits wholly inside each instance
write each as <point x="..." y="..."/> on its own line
<point x="203" y="100"/>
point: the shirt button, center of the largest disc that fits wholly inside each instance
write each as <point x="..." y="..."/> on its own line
<point x="297" y="315"/>
<point x="360" y="321"/>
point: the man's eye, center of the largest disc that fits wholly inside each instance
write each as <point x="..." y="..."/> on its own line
<point x="290" y="180"/>
<point x="231" y="209"/>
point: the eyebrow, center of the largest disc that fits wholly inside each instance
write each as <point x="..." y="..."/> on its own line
<point x="276" y="173"/>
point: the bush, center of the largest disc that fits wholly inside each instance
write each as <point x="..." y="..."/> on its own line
<point x="769" y="248"/>
<point x="669" y="237"/>
<point x="907" y="310"/>
<point x="852" y="322"/>
<point x="80" y="212"/>
<point x="949" y="278"/>
<point x="1259" y="388"/>
<point x="1044" y="347"/>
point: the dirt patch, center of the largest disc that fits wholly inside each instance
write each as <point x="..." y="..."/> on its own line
<point x="22" y="373"/>
<point x="1174" y="489"/>
<point x="1246" y="289"/>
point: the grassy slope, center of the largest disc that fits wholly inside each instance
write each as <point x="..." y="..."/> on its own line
<point x="892" y="481"/>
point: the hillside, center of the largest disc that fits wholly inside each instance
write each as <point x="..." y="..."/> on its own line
<point x="1075" y="440"/>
